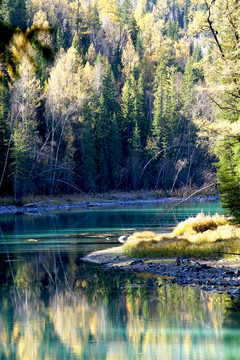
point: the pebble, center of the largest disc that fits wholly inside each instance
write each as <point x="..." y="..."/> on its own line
<point x="202" y="276"/>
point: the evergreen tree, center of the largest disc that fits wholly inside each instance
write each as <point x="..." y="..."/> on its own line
<point x="85" y="154"/>
<point x="141" y="112"/>
<point x="134" y="30"/>
<point x="126" y="11"/>
<point x="82" y="33"/>
<point x="185" y="14"/>
<point x="229" y="176"/>
<point x="221" y="68"/>
<point x="165" y="120"/>
<point x="76" y="44"/>
<point x="106" y="130"/>
<point x="59" y="41"/>
<point x="101" y="135"/>
<point x="115" y="153"/>
<point x="160" y="124"/>
<point x="109" y="91"/>
<point x="95" y="23"/>
<point x="137" y="146"/>
<point x="128" y="118"/>
<point x="14" y="13"/>
<point x="172" y="105"/>
<point x="117" y="62"/>
<point x="189" y="79"/>
<point x="173" y="29"/>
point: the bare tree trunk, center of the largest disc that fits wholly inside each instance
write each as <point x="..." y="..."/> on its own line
<point x="56" y="157"/>
<point x="8" y="149"/>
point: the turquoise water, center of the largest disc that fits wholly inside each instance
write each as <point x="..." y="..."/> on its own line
<point x="54" y="306"/>
<point x="67" y="231"/>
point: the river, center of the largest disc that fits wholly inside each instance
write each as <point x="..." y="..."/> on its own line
<point x="55" y="306"/>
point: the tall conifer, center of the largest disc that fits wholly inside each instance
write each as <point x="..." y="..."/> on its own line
<point x="128" y="118"/>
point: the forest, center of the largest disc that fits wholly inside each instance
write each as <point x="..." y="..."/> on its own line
<point x="119" y="95"/>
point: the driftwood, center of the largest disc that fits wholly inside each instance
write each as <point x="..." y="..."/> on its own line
<point x="194" y="193"/>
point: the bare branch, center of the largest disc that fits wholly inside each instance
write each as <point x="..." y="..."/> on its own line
<point x="213" y="31"/>
<point x="154" y="157"/>
<point x="71" y="185"/>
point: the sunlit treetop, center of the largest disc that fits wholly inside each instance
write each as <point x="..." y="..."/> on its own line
<point x="14" y="42"/>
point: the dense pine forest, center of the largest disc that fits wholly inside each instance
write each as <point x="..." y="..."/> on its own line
<point x="109" y="95"/>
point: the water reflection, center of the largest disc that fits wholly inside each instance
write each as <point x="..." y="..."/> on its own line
<point x="55" y="307"/>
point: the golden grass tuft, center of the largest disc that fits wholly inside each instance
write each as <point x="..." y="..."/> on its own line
<point x="203" y="236"/>
<point x="145" y="235"/>
<point x="199" y="224"/>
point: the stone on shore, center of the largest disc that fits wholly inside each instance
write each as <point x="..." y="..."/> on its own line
<point x="122" y="239"/>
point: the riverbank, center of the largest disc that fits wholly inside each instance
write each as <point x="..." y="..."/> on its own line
<point x="192" y="254"/>
<point x="221" y="276"/>
<point x="104" y="201"/>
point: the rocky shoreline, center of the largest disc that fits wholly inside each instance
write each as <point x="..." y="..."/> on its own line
<point x="221" y="276"/>
<point x="50" y="205"/>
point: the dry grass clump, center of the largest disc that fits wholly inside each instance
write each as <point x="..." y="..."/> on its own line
<point x="224" y="232"/>
<point x="199" y="224"/>
<point x="143" y="235"/>
<point x="203" y="236"/>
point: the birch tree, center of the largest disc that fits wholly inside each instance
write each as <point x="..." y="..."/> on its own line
<point x="25" y="99"/>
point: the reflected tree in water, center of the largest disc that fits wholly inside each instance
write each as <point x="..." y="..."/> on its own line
<point x="84" y="310"/>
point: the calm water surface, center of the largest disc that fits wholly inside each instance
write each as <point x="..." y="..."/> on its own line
<point x="54" y="306"/>
<point x="70" y="229"/>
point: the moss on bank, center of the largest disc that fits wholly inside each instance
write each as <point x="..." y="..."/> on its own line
<point x="203" y="236"/>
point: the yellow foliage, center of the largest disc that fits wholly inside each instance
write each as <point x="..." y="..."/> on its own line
<point x="91" y="54"/>
<point x="66" y="86"/>
<point x="20" y="47"/>
<point x="139" y="10"/>
<point x="110" y="8"/>
<point x="40" y="21"/>
<point x="199" y="22"/>
<point x="181" y="3"/>
<point x="130" y="57"/>
<point x="88" y="76"/>
<point x="182" y="50"/>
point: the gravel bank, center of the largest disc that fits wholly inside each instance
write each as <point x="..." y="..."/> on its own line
<point x="50" y="205"/>
<point x="210" y="275"/>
